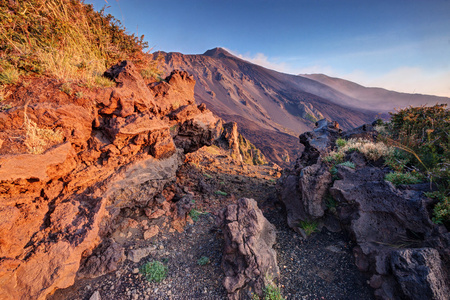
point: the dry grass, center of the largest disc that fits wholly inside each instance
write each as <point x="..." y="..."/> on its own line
<point x="37" y="140"/>
<point x="64" y="39"/>
<point x="371" y="150"/>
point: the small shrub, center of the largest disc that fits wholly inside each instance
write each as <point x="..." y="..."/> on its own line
<point x="334" y="157"/>
<point x="402" y="178"/>
<point x="341" y="142"/>
<point x="154" y="271"/>
<point x="204" y="260"/>
<point x="309" y="227"/>
<point x="348" y="164"/>
<point x="220" y="193"/>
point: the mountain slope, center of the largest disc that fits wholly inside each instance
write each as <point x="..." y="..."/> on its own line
<point x="376" y="98"/>
<point x="268" y="105"/>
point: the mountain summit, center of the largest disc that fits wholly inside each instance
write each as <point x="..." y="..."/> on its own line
<point x="218" y="52"/>
<point x="273" y="108"/>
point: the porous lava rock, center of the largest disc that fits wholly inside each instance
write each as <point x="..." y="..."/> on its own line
<point x="249" y="261"/>
<point x="405" y="255"/>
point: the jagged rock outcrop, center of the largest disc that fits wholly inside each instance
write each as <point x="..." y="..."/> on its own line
<point x="380" y="217"/>
<point x="241" y="149"/>
<point x="249" y="261"/>
<point x="121" y="147"/>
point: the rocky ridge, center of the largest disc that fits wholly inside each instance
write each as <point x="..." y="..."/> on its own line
<point x="121" y="148"/>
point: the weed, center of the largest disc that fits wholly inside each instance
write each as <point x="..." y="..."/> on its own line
<point x="309" y="227"/>
<point x="207" y="175"/>
<point x="402" y="178"/>
<point x="204" y="260"/>
<point x="220" y="193"/>
<point x="154" y="271"/>
<point x="174" y="128"/>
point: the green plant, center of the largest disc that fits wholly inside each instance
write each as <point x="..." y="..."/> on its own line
<point x="204" y="260"/>
<point x="220" y="193"/>
<point x="154" y="271"/>
<point x="348" y="164"/>
<point x="272" y="292"/>
<point x="207" y="175"/>
<point x="341" y="142"/>
<point x="309" y="227"/>
<point x="195" y="214"/>
<point x="334" y="157"/>
<point x="402" y="178"/>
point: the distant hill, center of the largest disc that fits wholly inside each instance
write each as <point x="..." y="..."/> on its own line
<point x="373" y="98"/>
<point x="271" y="108"/>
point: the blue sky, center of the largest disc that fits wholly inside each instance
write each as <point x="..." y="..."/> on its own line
<point x="400" y="45"/>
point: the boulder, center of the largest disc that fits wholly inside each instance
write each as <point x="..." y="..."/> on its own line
<point x="420" y="273"/>
<point x="249" y="261"/>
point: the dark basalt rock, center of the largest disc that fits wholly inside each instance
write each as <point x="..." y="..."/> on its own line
<point x="249" y="261"/>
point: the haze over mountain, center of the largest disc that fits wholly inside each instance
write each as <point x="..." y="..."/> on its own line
<point x="273" y="108"/>
<point x="376" y="99"/>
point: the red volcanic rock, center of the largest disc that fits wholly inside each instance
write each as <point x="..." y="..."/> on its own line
<point x="119" y="152"/>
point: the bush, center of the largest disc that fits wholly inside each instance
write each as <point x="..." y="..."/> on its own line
<point x="154" y="271"/>
<point x="421" y="137"/>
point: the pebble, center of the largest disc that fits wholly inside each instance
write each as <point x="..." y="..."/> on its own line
<point x="161" y="247"/>
<point x="135" y="270"/>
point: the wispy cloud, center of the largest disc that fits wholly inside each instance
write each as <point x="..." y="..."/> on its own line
<point x="264" y="61"/>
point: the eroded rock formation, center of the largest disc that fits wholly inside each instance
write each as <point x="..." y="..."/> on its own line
<point x="121" y="147"/>
<point x="405" y="255"/>
<point x="249" y="261"/>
